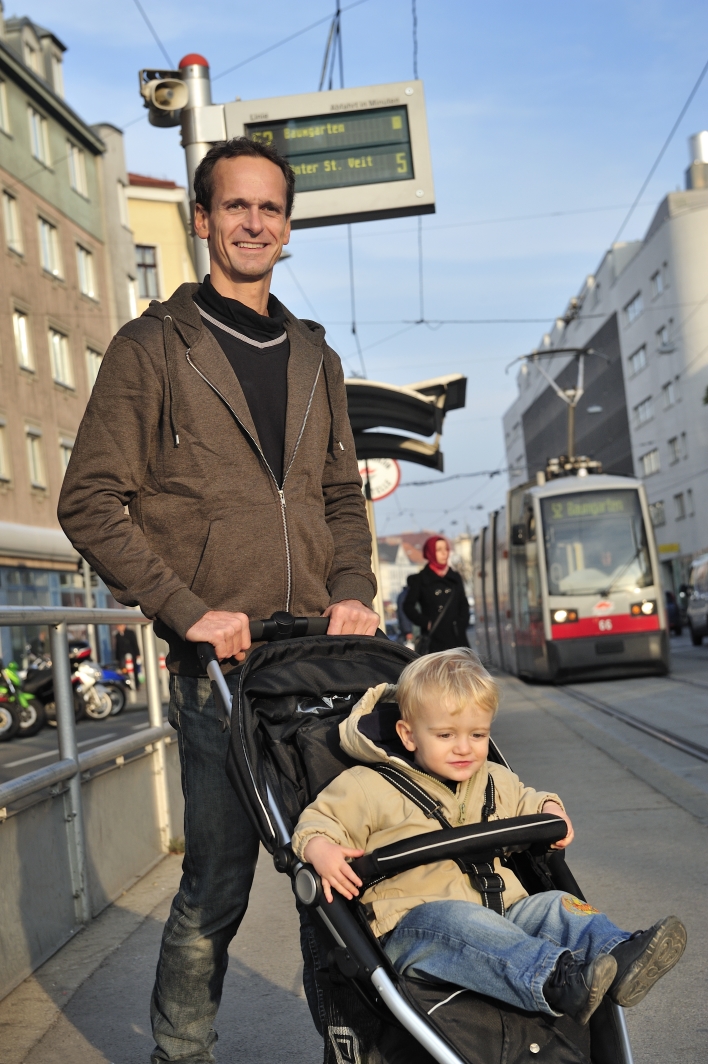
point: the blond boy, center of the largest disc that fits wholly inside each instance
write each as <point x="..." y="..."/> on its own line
<point x="549" y="952"/>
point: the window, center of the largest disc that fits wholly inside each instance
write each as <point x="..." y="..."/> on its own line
<point x="87" y="277"/>
<point x="123" y="205"/>
<point x="637" y="361"/>
<point x="650" y="463"/>
<point x="39" y="136"/>
<point x="634" y="308"/>
<point x="77" y="169"/>
<point x="133" y="297"/>
<point x="147" y="271"/>
<point x="32" y="57"/>
<point x="674" y="450"/>
<point x="658" y="513"/>
<point x="57" y="75"/>
<point x="61" y="359"/>
<point x="680" y="505"/>
<point x="49" y="247"/>
<point x="34" y="456"/>
<point x="4" y="461"/>
<point x="669" y="394"/>
<point x="644" y="411"/>
<point x="11" y="217"/>
<point x="93" y="362"/>
<point x="657" y="283"/>
<point x="689" y="503"/>
<point x="4" y="113"/>
<point x="20" y="325"/>
<point x="66" y="446"/>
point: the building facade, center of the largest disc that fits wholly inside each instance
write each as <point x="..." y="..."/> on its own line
<point x="644" y="315"/>
<point x="62" y="298"/>
<point x="159" y="218"/>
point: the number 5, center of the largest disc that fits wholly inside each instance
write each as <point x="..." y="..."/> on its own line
<point x="401" y="163"/>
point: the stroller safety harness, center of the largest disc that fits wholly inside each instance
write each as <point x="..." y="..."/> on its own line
<point x="293" y="692"/>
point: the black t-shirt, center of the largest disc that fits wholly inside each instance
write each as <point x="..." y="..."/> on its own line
<point x="258" y="349"/>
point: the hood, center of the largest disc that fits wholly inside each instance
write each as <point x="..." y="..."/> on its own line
<point x="369" y="732"/>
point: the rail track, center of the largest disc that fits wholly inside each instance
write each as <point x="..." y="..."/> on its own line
<point x="670" y="738"/>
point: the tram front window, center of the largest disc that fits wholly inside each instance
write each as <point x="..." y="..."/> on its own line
<point x="595" y="543"/>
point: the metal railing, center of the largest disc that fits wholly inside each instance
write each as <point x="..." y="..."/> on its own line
<point x="71" y="764"/>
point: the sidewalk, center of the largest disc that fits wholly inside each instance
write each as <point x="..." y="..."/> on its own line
<point x="638" y="855"/>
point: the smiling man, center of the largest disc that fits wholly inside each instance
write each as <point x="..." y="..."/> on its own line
<point x="219" y="420"/>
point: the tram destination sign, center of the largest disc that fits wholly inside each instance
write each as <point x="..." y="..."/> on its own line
<point x="358" y="154"/>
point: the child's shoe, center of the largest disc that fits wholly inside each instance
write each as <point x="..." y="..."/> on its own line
<point x="644" y="958"/>
<point x="576" y="989"/>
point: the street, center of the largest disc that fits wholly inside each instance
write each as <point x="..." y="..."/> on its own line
<point x="640" y="810"/>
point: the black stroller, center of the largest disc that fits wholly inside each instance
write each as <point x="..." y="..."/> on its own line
<point x="292" y="694"/>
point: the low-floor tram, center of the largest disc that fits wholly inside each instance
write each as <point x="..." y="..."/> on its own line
<point x="566" y="579"/>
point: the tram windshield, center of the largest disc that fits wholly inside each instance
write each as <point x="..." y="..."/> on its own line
<point x="596" y="543"/>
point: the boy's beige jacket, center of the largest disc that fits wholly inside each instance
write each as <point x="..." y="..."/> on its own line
<point x="360" y="809"/>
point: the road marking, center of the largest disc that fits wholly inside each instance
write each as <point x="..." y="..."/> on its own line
<point x="55" y="753"/>
<point x="139" y="727"/>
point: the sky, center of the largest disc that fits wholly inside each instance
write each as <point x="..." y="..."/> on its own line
<point x="544" y="121"/>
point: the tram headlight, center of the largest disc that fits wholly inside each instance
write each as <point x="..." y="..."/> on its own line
<point x="646" y="609"/>
<point x="564" y="616"/>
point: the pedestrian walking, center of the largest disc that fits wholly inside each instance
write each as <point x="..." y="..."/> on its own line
<point x="437" y="602"/>
<point x="220" y="420"/>
<point x="126" y="642"/>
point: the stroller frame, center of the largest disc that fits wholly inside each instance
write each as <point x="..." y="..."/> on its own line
<point x="355" y="950"/>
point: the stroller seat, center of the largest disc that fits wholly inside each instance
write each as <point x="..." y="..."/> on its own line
<point x="292" y="696"/>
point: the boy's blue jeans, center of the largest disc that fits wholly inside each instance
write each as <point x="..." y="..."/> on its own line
<point x="220" y="852"/>
<point x="505" y="957"/>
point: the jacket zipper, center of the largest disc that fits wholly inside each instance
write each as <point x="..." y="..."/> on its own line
<point x="462" y="807"/>
<point x="280" y="490"/>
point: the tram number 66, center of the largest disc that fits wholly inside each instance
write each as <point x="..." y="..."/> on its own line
<point x="605" y="625"/>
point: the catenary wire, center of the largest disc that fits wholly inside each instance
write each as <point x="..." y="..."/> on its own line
<point x="665" y="145"/>
<point x="285" y="40"/>
<point x="153" y="31"/>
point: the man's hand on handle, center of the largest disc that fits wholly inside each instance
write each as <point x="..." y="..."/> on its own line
<point x="351" y="617"/>
<point x="227" y="632"/>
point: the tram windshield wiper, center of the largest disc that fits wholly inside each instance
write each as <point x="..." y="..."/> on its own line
<point x="604" y="592"/>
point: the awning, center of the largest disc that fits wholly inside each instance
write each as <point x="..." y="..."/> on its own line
<point x="38" y="544"/>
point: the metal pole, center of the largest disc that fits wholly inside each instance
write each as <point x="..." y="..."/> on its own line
<point x="88" y="595"/>
<point x="375" y="567"/>
<point x="66" y="734"/>
<point x="571" y="430"/>
<point x="196" y="78"/>
<point x="154" y="698"/>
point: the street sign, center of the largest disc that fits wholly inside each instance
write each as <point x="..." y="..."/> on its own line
<point x="383" y="476"/>
<point x="358" y="154"/>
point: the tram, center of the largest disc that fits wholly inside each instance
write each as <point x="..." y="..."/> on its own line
<point x="566" y="579"/>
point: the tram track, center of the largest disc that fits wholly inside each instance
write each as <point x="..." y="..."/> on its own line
<point x="686" y="746"/>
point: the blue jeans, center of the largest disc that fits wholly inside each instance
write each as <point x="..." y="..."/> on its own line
<point x="220" y="853"/>
<point x="505" y="957"/>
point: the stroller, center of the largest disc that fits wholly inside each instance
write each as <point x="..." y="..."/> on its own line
<point x="293" y="692"/>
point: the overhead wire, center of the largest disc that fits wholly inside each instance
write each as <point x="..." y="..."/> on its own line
<point x="153" y="31"/>
<point x="665" y="145"/>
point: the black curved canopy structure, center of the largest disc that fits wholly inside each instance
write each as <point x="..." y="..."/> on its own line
<point x="418" y="408"/>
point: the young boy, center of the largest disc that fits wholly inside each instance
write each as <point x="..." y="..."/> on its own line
<point x="549" y="952"/>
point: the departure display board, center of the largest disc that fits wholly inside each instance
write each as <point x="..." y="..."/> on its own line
<point x="358" y="154"/>
<point x="326" y="151"/>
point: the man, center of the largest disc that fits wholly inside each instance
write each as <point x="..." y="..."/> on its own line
<point x="220" y="421"/>
<point x="126" y="642"/>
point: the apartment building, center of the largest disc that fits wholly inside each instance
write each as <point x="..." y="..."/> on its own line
<point x="61" y="299"/>
<point x="159" y="218"/>
<point x="644" y="314"/>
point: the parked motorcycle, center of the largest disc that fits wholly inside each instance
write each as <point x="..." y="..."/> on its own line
<point x="9" y="721"/>
<point x="91" y="698"/>
<point x="31" y="712"/>
<point x="114" y="682"/>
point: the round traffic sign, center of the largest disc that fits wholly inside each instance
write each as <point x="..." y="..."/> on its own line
<point x="383" y="474"/>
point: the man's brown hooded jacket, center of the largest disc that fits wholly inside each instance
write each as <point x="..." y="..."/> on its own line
<point x="168" y="434"/>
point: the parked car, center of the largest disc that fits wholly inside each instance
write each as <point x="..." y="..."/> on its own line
<point x="673" y="613"/>
<point x="697" y="609"/>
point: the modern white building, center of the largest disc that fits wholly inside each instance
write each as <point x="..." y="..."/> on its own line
<point x="644" y="314"/>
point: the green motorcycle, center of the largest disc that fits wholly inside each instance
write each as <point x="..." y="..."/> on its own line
<point x="21" y="713"/>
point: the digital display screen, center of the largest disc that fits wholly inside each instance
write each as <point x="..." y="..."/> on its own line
<point x="336" y="151"/>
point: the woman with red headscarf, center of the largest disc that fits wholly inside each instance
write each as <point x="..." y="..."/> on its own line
<point x="437" y="602"/>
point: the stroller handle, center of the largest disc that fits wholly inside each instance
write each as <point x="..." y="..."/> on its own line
<point x="280" y="625"/>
